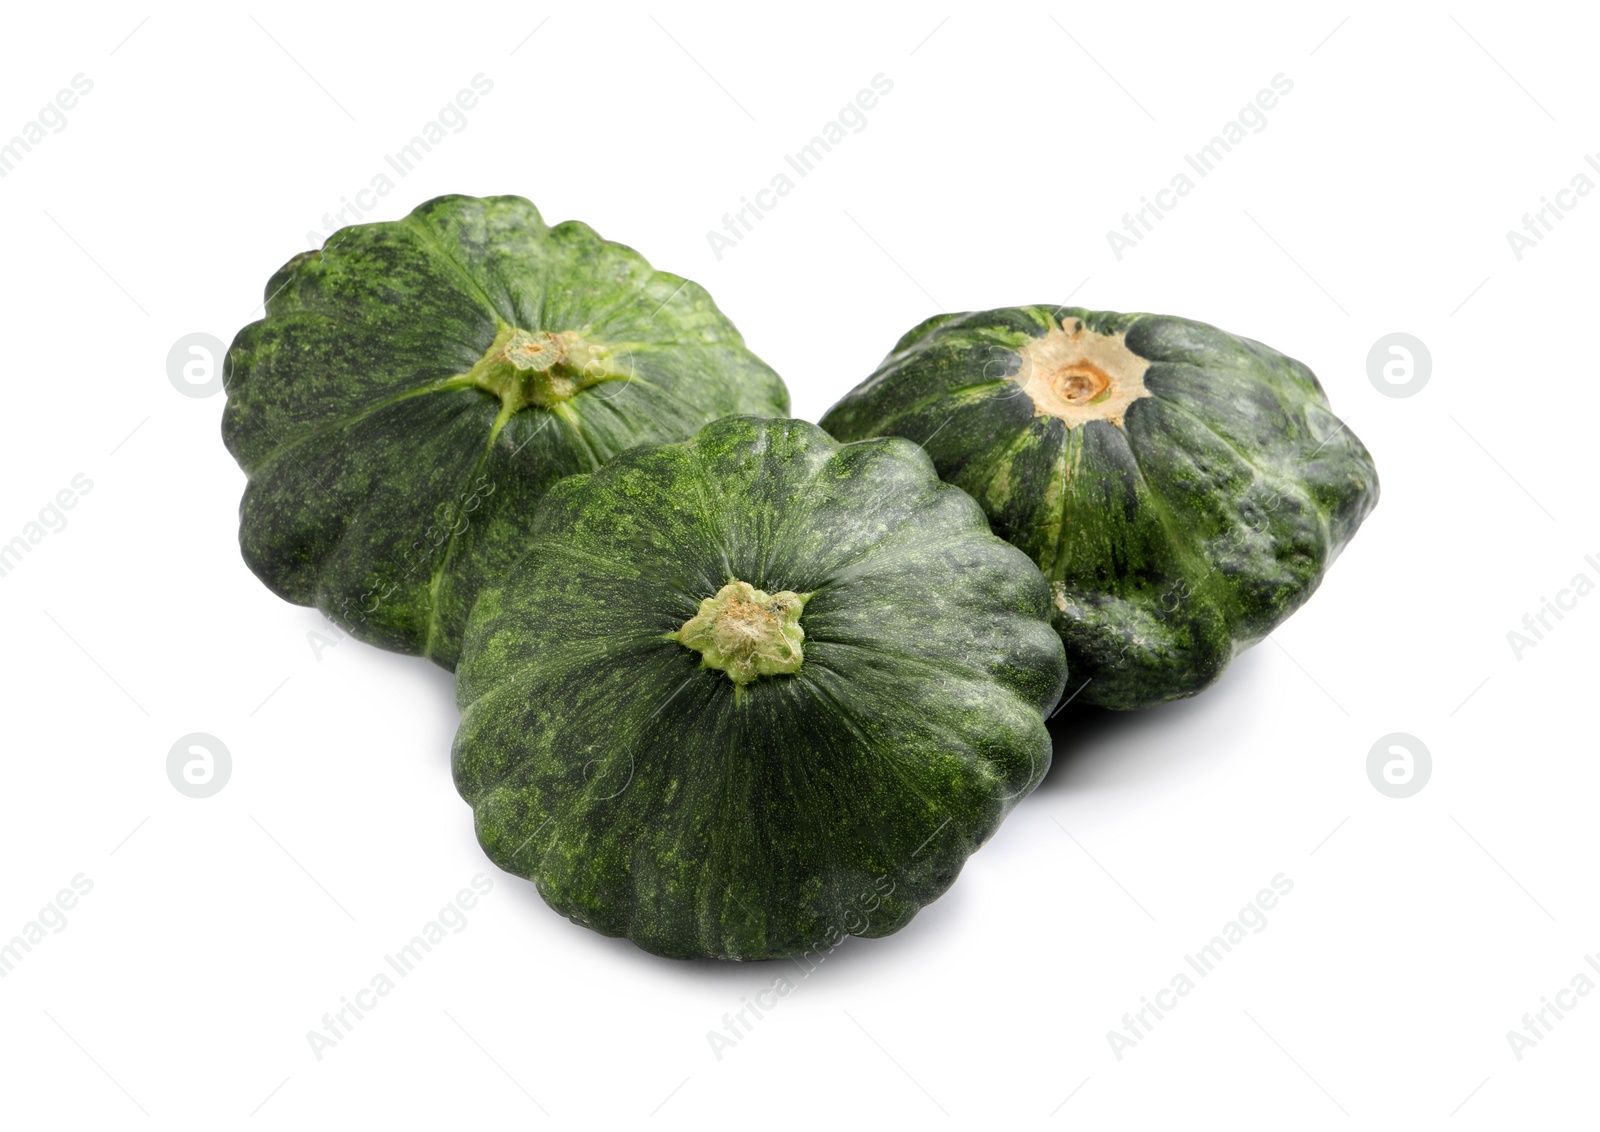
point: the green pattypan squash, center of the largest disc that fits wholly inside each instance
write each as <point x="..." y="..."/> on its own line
<point x="417" y="385"/>
<point x="1183" y="489"/>
<point x="753" y="693"/>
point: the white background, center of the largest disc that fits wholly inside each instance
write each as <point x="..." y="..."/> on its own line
<point x="1376" y="199"/>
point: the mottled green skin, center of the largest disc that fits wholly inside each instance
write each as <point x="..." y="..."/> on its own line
<point x="385" y="488"/>
<point x="1171" y="542"/>
<point x="651" y="797"/>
